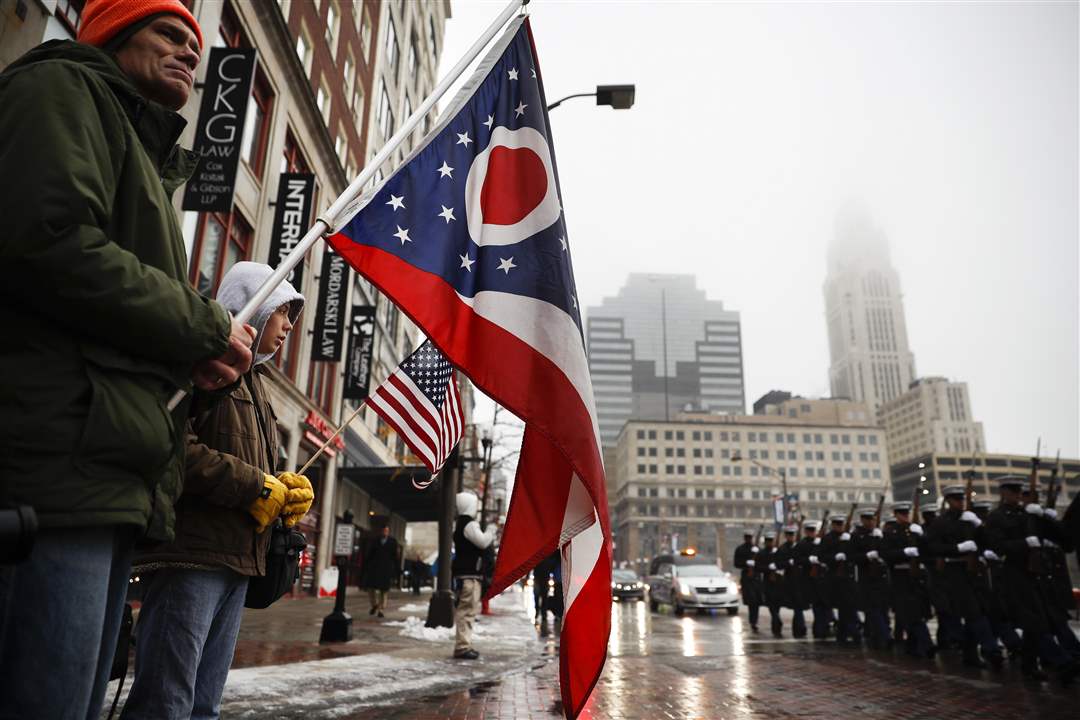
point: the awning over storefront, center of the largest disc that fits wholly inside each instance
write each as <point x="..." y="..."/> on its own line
<point x="393" y="487"/>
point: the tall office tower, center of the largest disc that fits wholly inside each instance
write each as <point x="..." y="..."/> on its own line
<point x="660" y="347"/>
<point x="868" y="344"/>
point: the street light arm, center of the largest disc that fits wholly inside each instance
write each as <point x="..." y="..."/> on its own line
<point x="557" y="103"/>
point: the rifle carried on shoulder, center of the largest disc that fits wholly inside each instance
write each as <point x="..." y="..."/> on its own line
<point x="913" y="563"/>
<point x="821" y="529"/>
<point x="1054" y="487"/>
<point x="757" y="539"/>
<point x="1034" y="556"/>
<point x="969" y="492"/>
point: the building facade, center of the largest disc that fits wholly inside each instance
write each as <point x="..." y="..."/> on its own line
<point x="660" y="347"/>
<point x="927" y="475"/>
<point x="701" y="479"/>
<point x="313" y="109"/>
<point x="933" y="416"/>
<point x="864" y="310"/>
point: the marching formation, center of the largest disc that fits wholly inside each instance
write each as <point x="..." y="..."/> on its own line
<point x="995" y="579"/>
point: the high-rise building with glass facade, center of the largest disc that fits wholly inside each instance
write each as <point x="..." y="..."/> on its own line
<point x="660" y="347"/>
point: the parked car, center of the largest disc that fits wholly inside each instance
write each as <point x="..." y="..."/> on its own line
<point x="626" y="585"/>
<point x="688" y="580"/>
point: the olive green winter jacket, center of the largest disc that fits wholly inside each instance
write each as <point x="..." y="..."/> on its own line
<point x="100" y="326"/>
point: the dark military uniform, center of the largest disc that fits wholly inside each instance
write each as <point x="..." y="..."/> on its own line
<point x="950" y="539"/>
<point x="834" y="552"/>
<point x="773" y="588"/>
<point x="872" y="582"/>
<point x="987" y="586"/>
<point x="749" y="579"/>
<point x="809" y="578"/>
<point x="785" y="560"/>
<point x="910" y="601"/>
<point x="1014" y="535"/>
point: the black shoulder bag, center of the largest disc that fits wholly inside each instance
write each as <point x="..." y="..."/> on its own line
<point x="286" y="544"/>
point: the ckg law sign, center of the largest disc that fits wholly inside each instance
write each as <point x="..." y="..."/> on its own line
<point x="220" y="129"/>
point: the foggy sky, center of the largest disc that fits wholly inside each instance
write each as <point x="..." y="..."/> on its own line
<point x="954" y="125"/>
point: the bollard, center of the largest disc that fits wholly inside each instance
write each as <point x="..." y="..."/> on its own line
<point x="337" y="626"/>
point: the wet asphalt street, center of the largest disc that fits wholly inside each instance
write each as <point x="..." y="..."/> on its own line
<point x="711" y="666"/>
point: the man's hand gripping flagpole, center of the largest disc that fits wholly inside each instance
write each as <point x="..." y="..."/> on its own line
<point x="326" y="222"/>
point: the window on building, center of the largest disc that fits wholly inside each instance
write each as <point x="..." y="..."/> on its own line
<point x="668" y="435"/>
<point x="708" y="452"/>
<point x="864" y="474"/>
<point x="433" y="46"/>
<point x="708" y="435"/>
<point x="725" y="470"/>
<point x="303" y="50"/>
<point x="765" y="454"/>
<point x="682" y="469"/>
<point x="669" y="452"/>
<point x="697" y="452"/>
<point x="221" y="240"/>
<point x="863" y="457"/>
<point x="738" y="470"/>
<point x="849" y="473"/>
<point x="818" y="439"/>
<point x="847" y="456"/>
<point x="877" y="474"/>
<point x="697" y="469"/>
<point x="836" y="455"/>
<point x="779" y="437"/>
<point x="257" y="124"/>
<point x="393" y="52"/>
<point x="818" y="455"/>
<point x="837" y="473"/>
<point x="753" y="454"/>
<point x="669" y="469"/>
<point x="808" y="454"/>
<point x="412" y="61"/>
<point x="69" y="12"/>
<point x="350" y="77"/>
<point x="641" y="468"/>
<point x="791" y="437"/>
<point x="363" y="26"/>
<point x="680" y="452"/>
<point x="640" y="434"/>
<point x="384" y="116"/>
<point x="753" y="471"/>
<point x="738" y="494"/>
<point x="641" y="451"/>
<point x="652" y="434"/>
<point x="792" y="455"/>
<point x="751" y="436"/>
<point x="652" y="452"/>
<point x="873" y="439"/>
<point x="654" y="492"/>
<point x="821" y="472"/>
<point x="727" y="494"/>
<point x="359" y="111"/>
<point x="321" y="379"/>
<point x="333" y="24"/>
<point x="723" y="436"/>
<point x="834" y="439"/>
<point x="709" y="470"/>
<point x="861" y="439"/>
<point x="679" y="435"/>
<point x="341" y="146"/>
<point x="322" y="101"/>
<point x="874" y="457"/>
<point x="846" y="439"/>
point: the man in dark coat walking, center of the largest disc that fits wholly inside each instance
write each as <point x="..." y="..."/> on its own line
<point x="750" y="577"/>
<point x="102" y="328"/>
<point x="380" y="570"/>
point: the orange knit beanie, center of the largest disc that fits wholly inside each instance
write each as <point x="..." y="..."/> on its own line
<point x="102" y="19"/>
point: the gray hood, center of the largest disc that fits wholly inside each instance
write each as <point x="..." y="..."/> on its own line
<point x="239" y="285"/>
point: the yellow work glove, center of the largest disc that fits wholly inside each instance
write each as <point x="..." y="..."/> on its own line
<point x="298" y="499"/>
<point x="268" y="505"/>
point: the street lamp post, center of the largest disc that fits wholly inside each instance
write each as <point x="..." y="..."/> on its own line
<point x="619" y="97"/>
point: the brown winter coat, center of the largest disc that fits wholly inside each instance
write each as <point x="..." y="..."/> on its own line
<point x="227" y="458"/>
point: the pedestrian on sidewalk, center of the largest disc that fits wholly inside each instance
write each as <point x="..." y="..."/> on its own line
<point x="195" y="585"/>
<point x="101" y="328"/>
<point x="469" y="545"/>
<point x="380" y="569"/>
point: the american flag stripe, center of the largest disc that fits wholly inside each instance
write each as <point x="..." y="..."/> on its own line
<point x="429" y="418"/>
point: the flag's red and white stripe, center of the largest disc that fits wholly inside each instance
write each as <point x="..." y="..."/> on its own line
<point x="430" y="432"/>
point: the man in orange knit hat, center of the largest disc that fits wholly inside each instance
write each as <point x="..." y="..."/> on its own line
<point x="105" y="329"/>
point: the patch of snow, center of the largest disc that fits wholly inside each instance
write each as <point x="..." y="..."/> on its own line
<point x="413" y="607"/>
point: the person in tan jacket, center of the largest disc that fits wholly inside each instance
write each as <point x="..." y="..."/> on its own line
<point x="194" y="586"/>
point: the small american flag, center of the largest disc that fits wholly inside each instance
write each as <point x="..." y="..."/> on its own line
<point x="420" y="401"/>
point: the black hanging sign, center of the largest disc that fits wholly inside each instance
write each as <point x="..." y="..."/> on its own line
<point x="361" y="344"/>
<point x="291" y="215"/>
<point x="220" y="129"/>
<point x="329" y="313"/>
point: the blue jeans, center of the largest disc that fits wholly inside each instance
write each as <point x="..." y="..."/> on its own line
<point x="184" y="643"/>
<point x="60" y="613"/>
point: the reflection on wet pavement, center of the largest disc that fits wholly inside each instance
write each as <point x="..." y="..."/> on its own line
<point x="707" y="666"/>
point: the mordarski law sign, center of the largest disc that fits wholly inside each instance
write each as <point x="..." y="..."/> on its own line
<point x="220" y="129"/>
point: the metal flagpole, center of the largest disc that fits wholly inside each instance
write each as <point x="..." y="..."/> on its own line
<point x="324" y="222"/>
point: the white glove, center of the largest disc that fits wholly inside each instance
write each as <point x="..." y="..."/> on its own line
<point x="1049" y="544"/>
<point x="990" y="555"/>
<point x="911" y="551"/>
<point x="967" y="546"/>
<point x="755" y="549"/>
<point x="968" y="516"/>
<point x="876" y="532"/>
<point x="791" y="562"/>
<point x="1032" y="541"/>
<point x="1050" y="513"/>
<point x="780" y="573"/>
<point x="844" y="537"/>
<point x="915" y="528"/>
<point x="749" y="563"/>
<point x="772" y="566"/>
<point x="814" y="561"/>
<point x="840" y="557"/>
<point x="872" y="555"/>
<point x="1034" y="509"/>
<point x="817" y="541"/>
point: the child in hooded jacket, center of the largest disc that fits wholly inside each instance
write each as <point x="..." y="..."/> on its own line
<point x="194" y="586"/>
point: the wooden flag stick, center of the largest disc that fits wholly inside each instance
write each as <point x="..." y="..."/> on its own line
<point x="331" y="438"/>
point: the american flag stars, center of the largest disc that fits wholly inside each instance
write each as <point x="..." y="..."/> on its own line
<point x="506" y="264"/>
<point x="447" y="214"/>
<point x="445" y="171"/>
<point x="402" y="234"/>
<point x="397" y="202"/>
